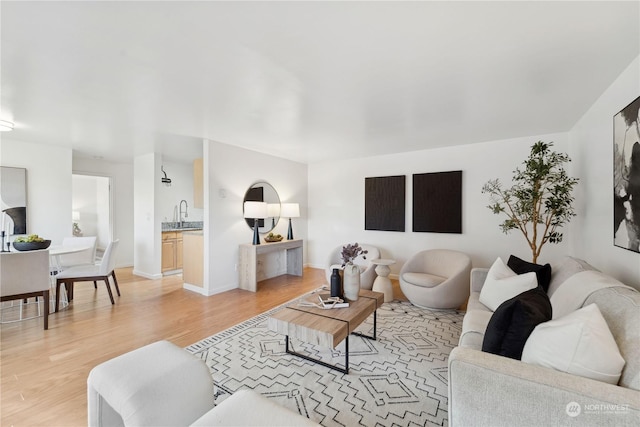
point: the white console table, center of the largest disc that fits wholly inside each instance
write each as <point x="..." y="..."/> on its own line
<point x="248" y="262"/>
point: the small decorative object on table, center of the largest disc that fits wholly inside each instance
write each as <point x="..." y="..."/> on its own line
<point x="30" y="243"/>
<point x="273" y="238"/>
<point x="336" y="283"/>
<point x="325" y="302"/>
<point x="351" y="285"/>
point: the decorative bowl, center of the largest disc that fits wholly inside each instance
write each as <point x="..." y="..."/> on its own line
<point x="31" y="246"/>
<point x="273" y="239"/>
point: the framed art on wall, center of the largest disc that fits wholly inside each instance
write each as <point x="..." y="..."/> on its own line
<point x="626" y="177"/>
<point x="437" y="202"/>
<point x="13" y="200"/>
<point x="384" y="199"/>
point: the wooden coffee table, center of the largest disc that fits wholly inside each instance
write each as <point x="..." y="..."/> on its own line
<point x="326" y="328"/>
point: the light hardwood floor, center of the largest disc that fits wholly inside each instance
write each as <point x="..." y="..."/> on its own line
<point x="44" y="373"/>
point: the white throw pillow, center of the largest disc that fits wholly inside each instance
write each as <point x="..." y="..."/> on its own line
<point x="579" y="343"/>
<point x="502" y="283"/>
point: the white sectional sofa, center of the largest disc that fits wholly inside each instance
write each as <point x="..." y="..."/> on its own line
<point x="491" y="390"/>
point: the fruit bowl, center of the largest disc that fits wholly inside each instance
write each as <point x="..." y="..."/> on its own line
<point x="31" y="246"/>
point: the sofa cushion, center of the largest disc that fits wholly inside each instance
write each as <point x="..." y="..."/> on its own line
<point x="576" y="289"/>
<point x="543" y="272"/>
<point x="423" y="279"/>
<point x="473" y="303"/>
<point x="620" y="307"/>
<point x="474" y="325"/>
<point x="513" y="322"/>
<point x="564" y="268"/>
<point x="579" y="343"/>
<point x="502" y="284"/>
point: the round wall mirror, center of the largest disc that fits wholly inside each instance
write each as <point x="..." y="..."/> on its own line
<point x="263" y="192"/>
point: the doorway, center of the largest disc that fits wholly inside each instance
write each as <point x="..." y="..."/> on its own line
<point x="91" y="209"/>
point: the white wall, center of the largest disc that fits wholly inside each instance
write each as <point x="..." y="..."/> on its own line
<point x="147" y="231"/>
<point x="336" y="202"/>
<point x="103" y="212"/>
<point x="48" y="186"/>
<point x="591" y="148"/>
<point x="121" y="175"/>
<point x="231" y="171"/>
<point x="181" y="175"/>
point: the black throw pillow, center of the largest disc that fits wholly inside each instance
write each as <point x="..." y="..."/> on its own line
<point x="514" y="320"/>
<point x="543" y="272"/>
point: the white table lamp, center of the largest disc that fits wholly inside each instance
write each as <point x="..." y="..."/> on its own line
<point x="255" y="211"/>
<point x="290" y="210"/>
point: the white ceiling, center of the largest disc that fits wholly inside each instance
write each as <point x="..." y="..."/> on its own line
<point x="305" y="80"/>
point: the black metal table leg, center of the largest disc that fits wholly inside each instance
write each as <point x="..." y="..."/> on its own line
<point x="320" y="362"/>
<point x="371" y="337"/>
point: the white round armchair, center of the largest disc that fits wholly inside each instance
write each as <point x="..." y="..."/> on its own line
<point x="367" y="270"/>
<point x="436" y="278"/>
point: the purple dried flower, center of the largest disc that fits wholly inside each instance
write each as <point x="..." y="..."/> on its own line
<point x="352" y="251"/>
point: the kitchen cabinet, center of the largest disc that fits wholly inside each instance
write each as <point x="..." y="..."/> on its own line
<point x="198" y="183"/>
<point x="171" y="251"/>
<point x="192" y="272"/>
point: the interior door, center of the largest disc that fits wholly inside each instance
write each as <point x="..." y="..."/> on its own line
<point x="92" y="208"/>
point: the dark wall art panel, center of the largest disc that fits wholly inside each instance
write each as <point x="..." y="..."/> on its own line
<point x="437" y="202"/>
<point x="626" y="177"/>
<point x="384" y="200"/>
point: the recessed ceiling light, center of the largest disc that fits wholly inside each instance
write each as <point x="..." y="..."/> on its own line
<point x="5" y="126"/>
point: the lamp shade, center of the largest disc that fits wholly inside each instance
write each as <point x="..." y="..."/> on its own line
<point x="255" y="210"/>
<point x="290" y="210"/>
<point x="273" y="209"/>
<point x="75" y="215"/>
<point x="6" y="126"/>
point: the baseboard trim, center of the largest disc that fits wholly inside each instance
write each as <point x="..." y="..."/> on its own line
<point x="215" y="291"/>
<point x="147" y="275"/>
<point x="194" y="288"/>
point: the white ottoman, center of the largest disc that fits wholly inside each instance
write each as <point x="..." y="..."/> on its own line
<point x="156" y="385"/>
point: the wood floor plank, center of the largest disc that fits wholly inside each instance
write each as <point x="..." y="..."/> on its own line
<point x="43" y="374"/>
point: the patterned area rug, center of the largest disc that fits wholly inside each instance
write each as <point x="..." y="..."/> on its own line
<point x="398" y="380"/>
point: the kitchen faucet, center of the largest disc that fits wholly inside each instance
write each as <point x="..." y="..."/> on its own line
<point x="186" y="215"/>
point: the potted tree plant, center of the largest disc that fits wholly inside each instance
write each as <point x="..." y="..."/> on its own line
<point x="539" y="202"/>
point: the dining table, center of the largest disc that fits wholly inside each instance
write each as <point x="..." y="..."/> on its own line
<point x="55" y="251"/>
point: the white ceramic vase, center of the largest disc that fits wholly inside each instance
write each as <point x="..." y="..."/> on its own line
<point x="351" y="282"/>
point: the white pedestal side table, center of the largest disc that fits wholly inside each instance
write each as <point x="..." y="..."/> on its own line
<point x="382" y="282"/>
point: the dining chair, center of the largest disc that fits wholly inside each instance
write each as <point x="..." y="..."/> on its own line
<point x="86" y="257"/>
<point x="24" y="275"/>
<point x="90" y="273"/>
